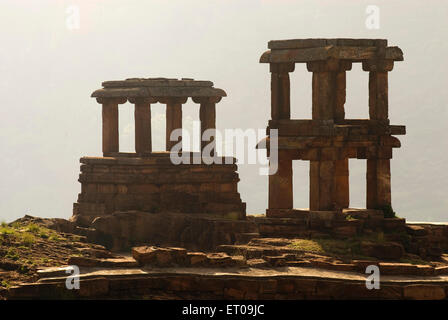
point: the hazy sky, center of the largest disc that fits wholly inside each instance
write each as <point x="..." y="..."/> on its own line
<point x="48" y="71"/>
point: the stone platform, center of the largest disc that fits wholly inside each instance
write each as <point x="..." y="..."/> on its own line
<point x="231" y="283"/>
<point x="152" y="183"/>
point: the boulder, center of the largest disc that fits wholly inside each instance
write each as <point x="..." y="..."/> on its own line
<point x="162" y="257"/>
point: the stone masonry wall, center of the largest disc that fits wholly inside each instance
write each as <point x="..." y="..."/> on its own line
<point x="156" y="185"/>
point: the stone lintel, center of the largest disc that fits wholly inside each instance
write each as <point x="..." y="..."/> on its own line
<point x="156" y="82"/>
<point x="313" y="43"/>
<point x="310" y="128"/>
<point x="155" y="92"/>
<point x="306" y="149"/>
<point x="354" y="54"/>
<point x="151" y="158"/>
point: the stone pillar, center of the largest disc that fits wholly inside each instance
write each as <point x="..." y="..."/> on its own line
<point x="207" y="116"/>
<point x="322" y="187"/>
<point x="173" y="118"/>
<point x="329" y="184"/>
<point x="378" y="183"/>
<point x="341" y="167"/>
<point x="110" y="123"/>
<point x="341" y="184"/>
<point x="340" y="95"/>
<point x="142" y="118"/>
<point x="280" y="183"/>
<point x="280" y="90"/>
<point x="378" y="170"/>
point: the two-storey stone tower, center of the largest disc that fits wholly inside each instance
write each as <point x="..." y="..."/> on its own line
<point x="328" y="140"/>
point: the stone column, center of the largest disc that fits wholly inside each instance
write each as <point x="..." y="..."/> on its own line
<point x="341" y="184"/>
<point x="110" y="123"/>
<point x="329" y="184"/>
<point x="207" y="116"/>
<point x="341" y="167"/>
<point x="322" y="185"/>
<point x="378" y="170"/>
<point x="280" y="183"/>
<point x="142" y="118"/>
<point x="173" y="118"/>
<point x="280" y="90"/>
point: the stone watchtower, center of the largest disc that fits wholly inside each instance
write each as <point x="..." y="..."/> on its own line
<point x="147" y="180"/>
<point x="328" y="140"/>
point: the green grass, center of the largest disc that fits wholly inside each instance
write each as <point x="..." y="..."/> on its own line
<point x="28" y="239"/>
<point x="347" y="248"/>
<point x="5" y="284"/>
<point x="12" y="254"/>
<point x="28" y="233"/>
<point x="56" y="238"/>
<point x="327" y="246"/>
<point x="33" y="228"/>
<point x="7" y="230"/>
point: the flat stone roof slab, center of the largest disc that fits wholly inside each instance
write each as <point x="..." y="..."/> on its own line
<point x="157" y="87"/>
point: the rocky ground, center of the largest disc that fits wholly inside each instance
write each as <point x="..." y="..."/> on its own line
<point x="32" y="249"/>
<point x="27" y="245"/>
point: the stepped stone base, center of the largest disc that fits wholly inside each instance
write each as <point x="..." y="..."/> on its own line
<point x="344" y="223"/>
<point x="153" y="183"/>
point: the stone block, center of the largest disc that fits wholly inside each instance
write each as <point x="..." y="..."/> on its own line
<point x="159" y="256"/>
<point x="386" y="250"/>
<point x="196" y="258"/>
<point x="424" y="292"/>
<point x="394" y="224"/>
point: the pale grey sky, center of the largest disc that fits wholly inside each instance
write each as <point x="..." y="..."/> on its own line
<point x="48" y="120"/>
